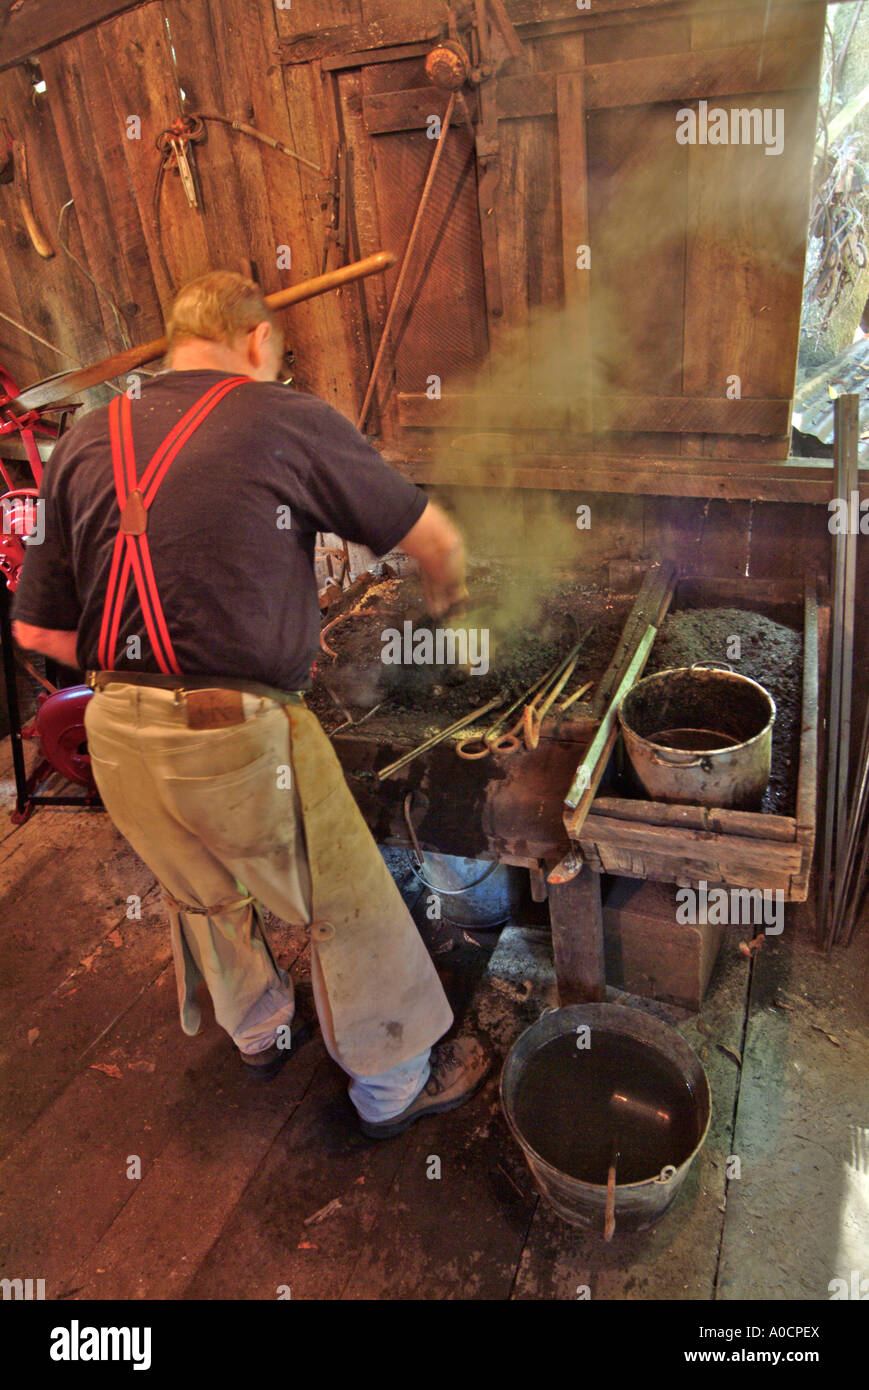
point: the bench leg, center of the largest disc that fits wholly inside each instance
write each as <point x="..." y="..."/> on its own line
<point x="576" y="914"/>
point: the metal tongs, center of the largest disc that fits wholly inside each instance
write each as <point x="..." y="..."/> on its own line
<point x="546" y="688"/>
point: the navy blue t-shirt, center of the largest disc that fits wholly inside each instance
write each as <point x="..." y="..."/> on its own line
<point x="234" y="569"/>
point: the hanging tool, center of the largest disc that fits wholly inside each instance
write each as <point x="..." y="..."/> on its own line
<point x="175" y="145"/>
<point x="66" y="384"/>
<point x="14" y="170"/>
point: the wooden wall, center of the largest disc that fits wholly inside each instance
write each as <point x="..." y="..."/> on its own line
<point x="545" y="369"/>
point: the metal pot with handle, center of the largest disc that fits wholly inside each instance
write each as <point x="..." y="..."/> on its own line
<point x="700" y="734"/>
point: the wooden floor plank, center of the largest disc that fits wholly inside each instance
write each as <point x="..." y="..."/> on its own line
<point x="65" y="877"/>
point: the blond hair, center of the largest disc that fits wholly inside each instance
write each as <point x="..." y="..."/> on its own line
<point x="218" y="307"/>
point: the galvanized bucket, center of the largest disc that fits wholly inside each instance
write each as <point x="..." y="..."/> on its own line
<point x="581" y="1203"/>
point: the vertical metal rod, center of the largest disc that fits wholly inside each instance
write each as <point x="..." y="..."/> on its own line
<point x="835" y="705"/>
<point x="405" y="265"/>
<point x="10" y="678"/>
<point x="847" y="417"/>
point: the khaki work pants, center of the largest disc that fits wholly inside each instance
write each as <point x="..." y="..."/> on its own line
<point x="217" y="816"/>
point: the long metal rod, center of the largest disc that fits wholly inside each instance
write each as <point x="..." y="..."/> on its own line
<point x="823" y="896"/>
<point x="405" y="265"/>
<point x="259" y="135"/>
<point x="847" y="435"/>
<point x="439" y="738"/>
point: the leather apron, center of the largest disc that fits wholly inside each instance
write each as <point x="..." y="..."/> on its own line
<point x="386" y="1000"/>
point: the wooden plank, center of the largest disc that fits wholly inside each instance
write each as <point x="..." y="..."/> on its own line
<point x="440" y="327"/>
<point x="313" y="29"/>
<point x="49" y="296"/>
<point x="770" y="67"/>
<point x="94" y="82"/>
<point x="575" y="236"/>
<point x="717" y="820"/>
<point x="366" y="56"/>
<point x="729" y="852"/>
<point x="38" y="24"/>
<point x="747" y="241"/>
<point x="720" y="72"/>
<point x="676" y="477"/>
<point x="236" y="215"/>
<point x="371" y="302"/>
<point x="331" y="39"/>
<point x="576" y="915"/>
<point x="676" y="414"/>
<point x="482" y="409"/>
<point x="670" y="414"/>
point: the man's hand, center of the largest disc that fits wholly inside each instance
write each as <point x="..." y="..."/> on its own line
<point x="60" y="646"/>
<point x="440" y="550"/>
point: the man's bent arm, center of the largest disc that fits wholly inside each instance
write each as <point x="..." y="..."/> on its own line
<point x="60" y="646"/>
<point x="438" y="547"/>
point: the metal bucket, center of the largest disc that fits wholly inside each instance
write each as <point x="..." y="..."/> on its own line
<point x="700" y="735"/>
<point x="472" y="893"/>
<point x="560" y="1115"/>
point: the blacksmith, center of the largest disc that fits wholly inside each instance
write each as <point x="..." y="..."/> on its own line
<point x="177" y="570"/>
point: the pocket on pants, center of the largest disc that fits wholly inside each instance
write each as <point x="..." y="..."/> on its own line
<point x="239" y="814"/>
<point x="113" y="785"/>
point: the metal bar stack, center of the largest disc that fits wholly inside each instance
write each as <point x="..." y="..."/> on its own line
<point x="843" y="862"/>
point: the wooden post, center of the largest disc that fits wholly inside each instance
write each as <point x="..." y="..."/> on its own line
<point x="576" y="914"/>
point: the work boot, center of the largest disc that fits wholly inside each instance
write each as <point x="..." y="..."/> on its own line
<point x="263" y="1066"/>
<point x="457" y="1070"/>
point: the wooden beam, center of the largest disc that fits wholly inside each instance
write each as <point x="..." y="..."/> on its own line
<point x="576" y="914"/>
<point x="717" y="72"/>
<point x="792" y="480"/>
<point x="39" y="24"/>
<point x="575" y="236"/>
<point x="667" y="414"/>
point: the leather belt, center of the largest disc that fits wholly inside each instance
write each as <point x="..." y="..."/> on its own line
<point x="98" y="680"/>
<point x="210" y="702"/>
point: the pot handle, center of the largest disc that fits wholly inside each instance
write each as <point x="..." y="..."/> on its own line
<point x="703" y="762"/>
<point x="667" y="1174"/>
<point x="712" y="666"/>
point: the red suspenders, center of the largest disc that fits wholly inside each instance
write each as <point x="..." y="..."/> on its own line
<point x="134" y="501"/>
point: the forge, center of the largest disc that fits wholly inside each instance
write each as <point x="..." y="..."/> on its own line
<point x="514" y="807"/>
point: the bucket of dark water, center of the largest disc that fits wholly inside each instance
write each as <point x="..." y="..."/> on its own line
<point x="701" y="736"/>
<point x="596" y="1086"/>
